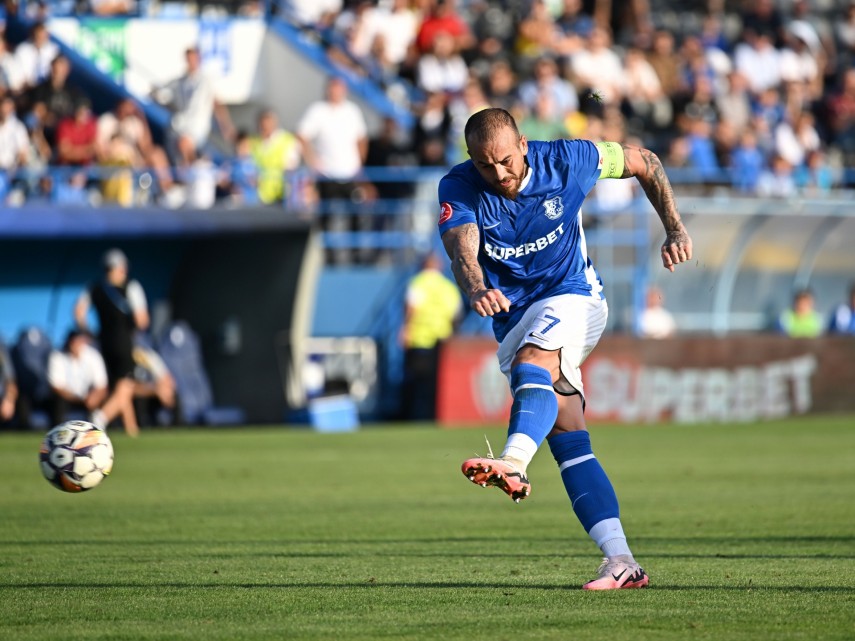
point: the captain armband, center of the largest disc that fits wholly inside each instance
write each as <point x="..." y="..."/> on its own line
<point x="611" y="160"/>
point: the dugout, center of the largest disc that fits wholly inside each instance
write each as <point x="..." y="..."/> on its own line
<point x="243" y="280"/>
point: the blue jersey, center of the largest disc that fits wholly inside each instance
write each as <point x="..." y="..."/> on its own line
<point x="532" y="247"/>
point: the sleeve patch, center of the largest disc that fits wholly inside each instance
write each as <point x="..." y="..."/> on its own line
<point x="445" y="213"/>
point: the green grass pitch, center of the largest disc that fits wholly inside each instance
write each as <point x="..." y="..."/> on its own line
<point x="747" y="532"/>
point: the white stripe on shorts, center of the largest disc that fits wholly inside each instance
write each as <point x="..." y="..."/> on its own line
<point x="575" y="461"/>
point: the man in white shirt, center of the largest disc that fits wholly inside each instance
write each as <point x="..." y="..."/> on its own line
<point x="193" y="101"/>
<point x="656" y="321"/>
<point x="334" y="137"/>
<point x="34" y="56"/>
<point x="77" y="376"/>
<point x="14" y="140"/>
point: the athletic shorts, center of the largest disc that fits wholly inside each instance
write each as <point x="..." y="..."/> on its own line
<point x="571" y="323"/>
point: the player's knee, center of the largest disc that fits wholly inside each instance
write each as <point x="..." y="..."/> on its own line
<point x="533" y="355"/>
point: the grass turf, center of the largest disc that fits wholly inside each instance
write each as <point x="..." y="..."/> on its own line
<point x="747" y="532"/>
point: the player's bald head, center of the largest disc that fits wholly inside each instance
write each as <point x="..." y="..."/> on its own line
<point x="488" y="124"/>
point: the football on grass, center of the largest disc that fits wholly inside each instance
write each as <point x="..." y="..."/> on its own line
<point x="76" y="456"/>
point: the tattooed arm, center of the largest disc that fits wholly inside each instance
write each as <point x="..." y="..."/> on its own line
<point x="462" y="244"/>
<point x="646" y="167"/>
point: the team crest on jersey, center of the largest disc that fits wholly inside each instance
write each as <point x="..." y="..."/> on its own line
<point x="444" y="213"/>
<point x="554" y="208"/>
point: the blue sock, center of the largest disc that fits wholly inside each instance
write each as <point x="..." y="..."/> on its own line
<point x="535" y="407"/>
<point x="588" y="487"/>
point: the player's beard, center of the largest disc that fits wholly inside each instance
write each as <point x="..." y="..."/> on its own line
<point x="512" y="188"/>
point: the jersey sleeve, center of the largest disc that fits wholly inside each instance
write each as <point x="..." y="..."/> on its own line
<point x="456" y="203"/>
<point x="136" y="296"/>
<point x="585" y="160"/>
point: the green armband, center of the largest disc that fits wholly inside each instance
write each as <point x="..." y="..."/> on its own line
<point x="612" y="160"/>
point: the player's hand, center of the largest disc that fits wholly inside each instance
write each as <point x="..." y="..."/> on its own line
<point x="488" y="302"/>
<point x="676" y="249"/>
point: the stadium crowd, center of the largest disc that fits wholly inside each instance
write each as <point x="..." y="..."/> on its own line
<point x="760" y="95"/>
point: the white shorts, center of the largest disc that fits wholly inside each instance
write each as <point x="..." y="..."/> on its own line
<point x="571" y="323"/>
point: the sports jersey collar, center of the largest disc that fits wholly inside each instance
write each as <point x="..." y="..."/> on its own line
<point x="527" y="178"/>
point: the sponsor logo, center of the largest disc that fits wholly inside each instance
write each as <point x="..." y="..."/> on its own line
<point x="444" y="213"/>
<point x="504" y="253"/>
<point x="632" y="393"/>
<point x="554" y="208"/>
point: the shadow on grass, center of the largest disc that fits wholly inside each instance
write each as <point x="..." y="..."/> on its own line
<point x="510" y="540"/>
<point x="450" y="585"/>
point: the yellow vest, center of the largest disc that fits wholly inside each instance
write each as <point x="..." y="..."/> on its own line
<point x="271" y="156"/>
<point x="434" y="302"/>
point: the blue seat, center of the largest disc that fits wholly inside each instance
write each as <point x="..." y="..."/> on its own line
<point x="178" y="345"/>
<point x="30" y="356"/>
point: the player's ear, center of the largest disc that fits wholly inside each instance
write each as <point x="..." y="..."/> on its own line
<point x="523" y="145"/>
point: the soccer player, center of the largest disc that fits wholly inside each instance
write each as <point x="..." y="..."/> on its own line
<point x="511" y="223"/>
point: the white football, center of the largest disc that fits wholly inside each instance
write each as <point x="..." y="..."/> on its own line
<point x="75" y="456"/>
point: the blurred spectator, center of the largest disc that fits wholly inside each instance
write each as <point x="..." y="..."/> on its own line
<point x="313" y="12"/>
<point x="843" y="318"/>
<point x="11" y="77"/>
<point x="76" y="137"/>
<point x="122" y="309"/>
<point x="537" y="35"/>
<point x="117" y="159"/>
<point x="844" y="31"/>
<point x="841" y="115"/>
<point x="433" y="306"/>
<point x="77" y="376"/>
<point x="106" y="8"/>
<point x="803" y="59"/>
<point x="655" y="321"/>
<point x="192" y="97"/>
<point x="471" y="100"/>
<point x="545" y="122"/>
<point x="14" y="140"/>
<point x="575" y="25"/>
<point x="702" y="154"/>
<point x="794" y="141"/>
<point x="778" y="181"/>
<point x="275" y="151"/>
<point x="644" y="94"/>
<point x="432" y="130"/>
<point x="442" y="68"/>
<point x="597" y="68"/>
<point x="546" y="79"/>
<point x="494" y="28"/>
<point x="334" y="139"/>
<point x="501" y="89"/>
<point x="757" y="59"/>
<point x="389" y="28"/>
<point x="8" y="386"/>
<point x="444" y="18"/>
<point x="747" y="163"/>
<point x="69" y="190"/>
<point x="815" y="177"/>
<point x="52" y="100"/>
<point x="34" y="56"/>
<point x="801" y="320"/>
<point x="762" y="17"/>
<point x="240" y="177"/>
<point x="734" y="104"/>
<point x="662" y="57"/>
<point x="128" y="122"/>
